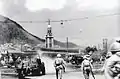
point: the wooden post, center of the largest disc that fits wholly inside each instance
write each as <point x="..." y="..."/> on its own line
<point x="67" y="44"/>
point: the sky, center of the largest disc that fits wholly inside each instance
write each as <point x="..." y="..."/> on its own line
<point x="88" y="31"/>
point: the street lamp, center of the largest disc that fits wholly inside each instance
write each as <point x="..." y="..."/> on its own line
<point x="80" y="32"/>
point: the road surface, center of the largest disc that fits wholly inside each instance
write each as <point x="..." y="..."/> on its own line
<point x="72" y="72"/>
<point x="69" y="74"/>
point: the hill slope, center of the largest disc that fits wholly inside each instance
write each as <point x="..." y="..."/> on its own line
<point x="12" y="32"/>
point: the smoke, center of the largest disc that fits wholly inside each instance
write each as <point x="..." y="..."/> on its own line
<point x="48" y="61"/>
<point x="49" y="66"/>
<point x="49" y="58"/>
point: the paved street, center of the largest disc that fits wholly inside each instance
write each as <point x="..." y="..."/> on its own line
<point x="70" y="74"/>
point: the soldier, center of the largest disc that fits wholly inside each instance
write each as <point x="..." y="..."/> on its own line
<point x="109" y="54"/>
<point x="59" y="65"/>
<point x="38" y="60"/>
<point x="87" y="67"/>
<point x="112" y="67"/>
<point x="25" y="65"/>
<point x="18" y="62"/>
<point x="39" y="66"/>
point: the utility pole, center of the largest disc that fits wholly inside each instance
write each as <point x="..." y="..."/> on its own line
<point x="48" y="21"/>
<point x="98" y="46"/>
<point x="105" y="46"/>
<point x="21" y="47"/>
<point x="67" y="44"/>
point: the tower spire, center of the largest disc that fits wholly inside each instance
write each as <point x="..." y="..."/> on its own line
<point x="49" y="36"/>
<point x="48" y="21"/>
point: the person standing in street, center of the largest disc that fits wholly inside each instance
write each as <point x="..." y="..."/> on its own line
<point x="59" y="65"/>
<point x="109" y="54"/>
<point x="25" y="65"/>
<point x="87" y="68"/>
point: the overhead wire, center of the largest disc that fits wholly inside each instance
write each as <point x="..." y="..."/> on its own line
<point x="73" y="19"/>
<point x="66" y="20"/>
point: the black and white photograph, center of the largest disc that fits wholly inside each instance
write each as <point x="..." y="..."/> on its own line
<point x="59" y="39"/>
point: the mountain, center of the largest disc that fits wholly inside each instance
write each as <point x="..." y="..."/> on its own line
<point x="64" y="45"/>
<point x="12" y="32"/>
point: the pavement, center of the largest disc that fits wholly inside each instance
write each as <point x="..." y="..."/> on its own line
<point x="72" y="72"/>
<point x="69" y="74"/>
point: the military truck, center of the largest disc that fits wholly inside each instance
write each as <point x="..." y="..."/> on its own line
<point x="32" y="66"/>
<point x="74" y="58"/>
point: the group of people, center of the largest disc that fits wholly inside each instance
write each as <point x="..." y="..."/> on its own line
<point x="86" y="67"/>
<point x="10" y="60"/>
<point x="111" y="66"/>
